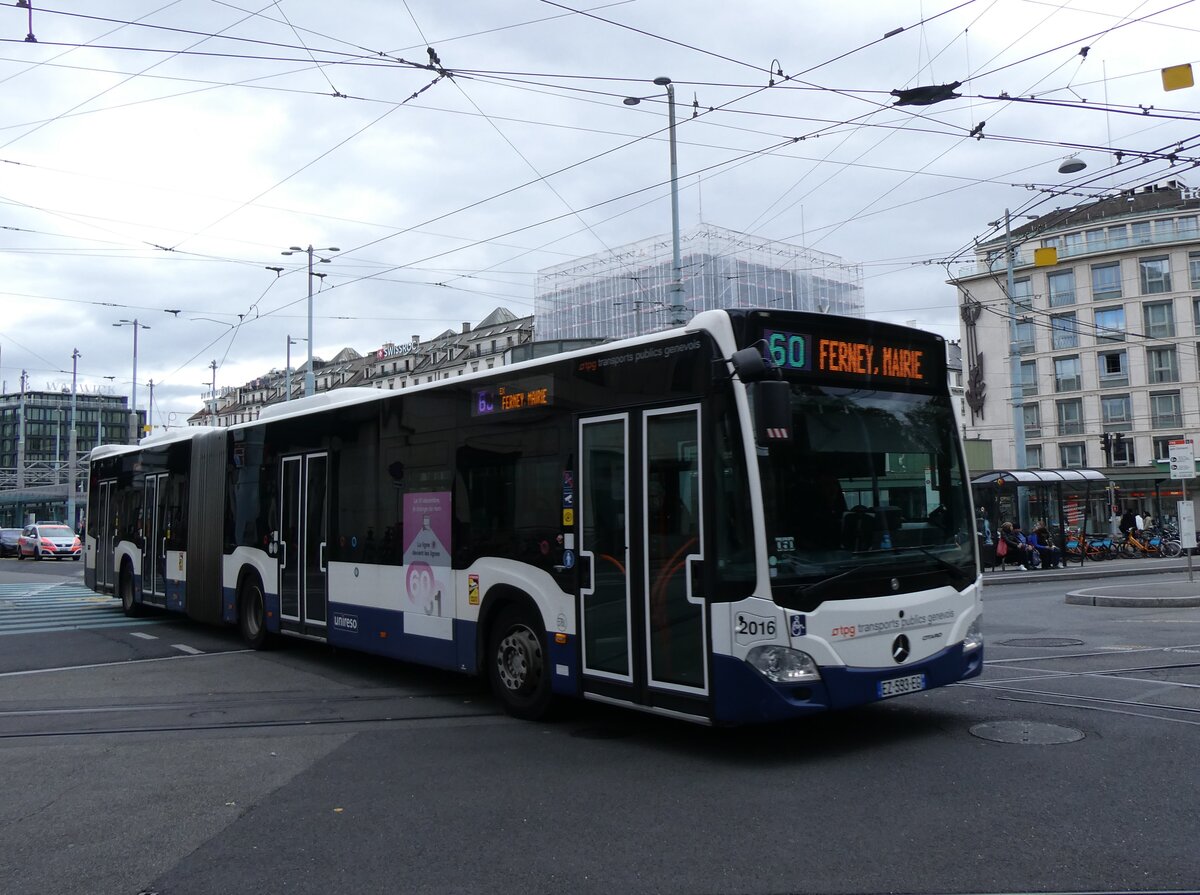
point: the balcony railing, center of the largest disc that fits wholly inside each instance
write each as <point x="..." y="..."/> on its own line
<point x="1023" y="257"/>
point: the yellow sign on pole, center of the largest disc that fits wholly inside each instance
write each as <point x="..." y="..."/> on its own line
<point x="1178" y="77"/>
<point x="1045" y="257"/>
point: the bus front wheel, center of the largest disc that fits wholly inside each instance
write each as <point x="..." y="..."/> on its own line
<point x="518" y="667"/>
<point x="252" y="614"/>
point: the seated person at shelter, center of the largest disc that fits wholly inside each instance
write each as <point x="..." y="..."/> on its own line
<point x="1051" y="556"/>
<point x="1018" y="549"/>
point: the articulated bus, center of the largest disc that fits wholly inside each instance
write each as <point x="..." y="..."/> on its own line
<point x="753" y="517"/>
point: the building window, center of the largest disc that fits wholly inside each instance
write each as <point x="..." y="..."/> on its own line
<point x="1187" y="227"/>
<point x="1162" y="446"/>
<point x="1025" y="336"/>
<point x="1166" y="411"/>
<point x="1032" y="415"/>
<point x="1061" y="286"/>
<point x="1117" y="237"/>
<point x="1141" y="234"/>
<point x="1067" y="374"/>
<point x="1064" y="331"/>
<point x="1070" y="417"/>
<point x="1159" y="318"/>
<point x="1106" y="280"/>
<point x="1029" y="384"/>
<point x="1033" y="456"/>
<point x="1023" y="293"/>
<point x="1071" y="455"/>
<point x="1116" y="414"/>
<point x="1155" y="275"/>
<point x="1110" y="324"/>
<point x="1114" y="371"/>
<point x="1194" y="269"/>
<point x="1196" y="315"/>
<point x="1162" y="364"/>
<point x="1095" y="240"/>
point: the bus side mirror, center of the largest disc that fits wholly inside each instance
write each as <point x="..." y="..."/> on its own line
<point x="749" y="365"/>
<point x="772" y="412"/>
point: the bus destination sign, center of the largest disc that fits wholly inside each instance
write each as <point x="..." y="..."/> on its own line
<point x="523" y="394"/>
<point x="805" y="353"/>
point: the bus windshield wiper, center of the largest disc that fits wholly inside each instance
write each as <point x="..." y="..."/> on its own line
<point x="821" y="586"/>
<point x="956" y="570"/>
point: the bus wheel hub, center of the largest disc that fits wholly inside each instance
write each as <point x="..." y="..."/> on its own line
<point x="518" y="656"/>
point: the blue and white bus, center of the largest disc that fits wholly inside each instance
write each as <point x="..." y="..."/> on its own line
<point x="755" y="516"/>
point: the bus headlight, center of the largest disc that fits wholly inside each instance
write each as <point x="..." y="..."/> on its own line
<point x="974" y="638"/>
<point x="783" y="665"/>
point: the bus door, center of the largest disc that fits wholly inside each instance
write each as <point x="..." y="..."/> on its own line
<point x="642" y="618"/>
<point x="303" y="508"/>
<point x="106" y="535"/>
<point x="154" y="535"/>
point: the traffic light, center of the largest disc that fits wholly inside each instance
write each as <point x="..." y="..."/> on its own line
<point x="1106" y="445"/>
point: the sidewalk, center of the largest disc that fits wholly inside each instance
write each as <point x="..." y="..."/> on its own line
<point x="1089" y="570"/>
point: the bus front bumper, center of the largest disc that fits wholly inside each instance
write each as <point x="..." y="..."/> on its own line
<point x="745" y="696"/>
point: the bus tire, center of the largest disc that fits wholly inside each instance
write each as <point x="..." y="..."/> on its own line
<point x="129" y="605"/>
<point x="518" y="664"/>
<point x="252" y="613"/>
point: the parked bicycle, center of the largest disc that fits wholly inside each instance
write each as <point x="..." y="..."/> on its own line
<point x="1087" y="546"/>
<point x="1149" y="544"/>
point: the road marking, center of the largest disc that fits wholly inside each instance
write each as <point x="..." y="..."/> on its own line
<point x="184" y="648"/>
<point x="44" y="608"/>
<point x="143" y="635"/>
<point x="232" y="652"/>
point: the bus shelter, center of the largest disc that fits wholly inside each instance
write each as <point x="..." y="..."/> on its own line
<point x="1062" y="498"/>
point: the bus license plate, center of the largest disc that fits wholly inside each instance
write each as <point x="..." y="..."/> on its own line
<point x="900" y="685"/>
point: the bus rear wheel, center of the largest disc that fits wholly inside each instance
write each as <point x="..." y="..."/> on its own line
<point x="129" y="606"/>
<point x="518" y="667"/>
<point x="252" y="614"/>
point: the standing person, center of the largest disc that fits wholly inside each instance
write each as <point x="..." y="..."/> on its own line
<point x="1139" y="521"/>
<point x="982" y="526"/>
<point x="1128" y="523"/>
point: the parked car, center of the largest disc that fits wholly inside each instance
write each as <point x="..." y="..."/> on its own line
<point x="8" y="541"/>
<point x="49" y="539"/>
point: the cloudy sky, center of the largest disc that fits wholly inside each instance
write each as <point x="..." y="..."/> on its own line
<point x="156" y="157"/>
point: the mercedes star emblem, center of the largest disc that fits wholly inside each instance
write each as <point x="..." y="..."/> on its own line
<point x="900" y="648"/>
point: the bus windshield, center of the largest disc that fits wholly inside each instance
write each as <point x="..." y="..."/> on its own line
<point x="868" y="497"/>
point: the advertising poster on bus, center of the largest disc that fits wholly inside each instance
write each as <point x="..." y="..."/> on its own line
<point x="426" y="554"/>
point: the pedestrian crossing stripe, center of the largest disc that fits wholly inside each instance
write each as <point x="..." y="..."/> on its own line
<point x="36" y="609"/>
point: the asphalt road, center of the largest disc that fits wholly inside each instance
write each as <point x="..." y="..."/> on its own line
<point x="184" y="764"/>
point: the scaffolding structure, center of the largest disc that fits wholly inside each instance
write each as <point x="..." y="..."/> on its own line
<point x="627" y="291"/>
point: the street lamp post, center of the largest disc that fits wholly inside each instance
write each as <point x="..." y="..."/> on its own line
<point x="1014" y="360"/>
<point x="133" y="436"/>
<point x="287" y="388"/>
<point x="72" y="460"/>
<point x="677" y="307"/>
<point x="309" y="378"/>
<point x="213" y="391"/>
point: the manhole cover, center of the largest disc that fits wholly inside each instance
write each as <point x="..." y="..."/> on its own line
<point x="1042" y="641"/>
<point x="1028" y="733"/>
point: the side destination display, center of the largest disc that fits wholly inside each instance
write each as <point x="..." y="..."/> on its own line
<point x="507" y="397"/>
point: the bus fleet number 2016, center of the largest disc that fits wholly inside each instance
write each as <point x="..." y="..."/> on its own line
<point x="753" y="627"/>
